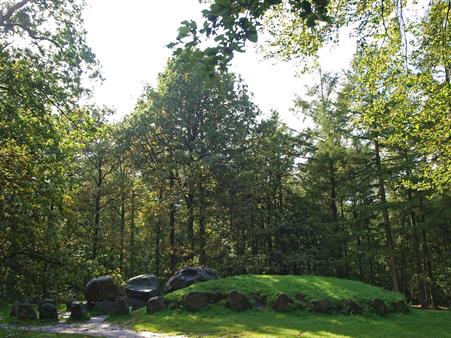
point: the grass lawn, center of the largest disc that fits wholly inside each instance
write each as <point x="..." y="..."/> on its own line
<point x="313" y="287"/>
<point x="24" y="334"/>
<point x="221" y="322"/>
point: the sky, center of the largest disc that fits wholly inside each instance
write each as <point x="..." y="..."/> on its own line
<point x="129" y="39"/>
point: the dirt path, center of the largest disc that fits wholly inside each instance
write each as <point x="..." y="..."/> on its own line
<point x="96" y="326"/>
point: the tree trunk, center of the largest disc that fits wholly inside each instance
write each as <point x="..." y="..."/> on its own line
<point x="387" y="224"/>
<point x="132" y="235"/>
<point x="158" y="237"/>
<point x="416" y="252"/>
<point x="96" y="237"/>
<point x="122" y="240"/>
<point x="202" y="219"/>
<point x="172" y="262"/>
<point x="190" y="221"/>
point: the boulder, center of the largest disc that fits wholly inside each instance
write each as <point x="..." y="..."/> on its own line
<point x="216" y="297"/>
<point x="120" y="307"/>
<point x="14" y="309"/>
<point x="300" y="297"/>
<point x="400" y="306"/>
<point x="321" y="306"/>
<point x="48" y="311"/>
<point x="48" y="300"/>
<point x="100" y="289"/>
<point x="155" y="304"/>
<point x="351" y="307"/>
<point x="238" y="301"/>
<point x="196" y="300"/>
<point x="143" y="287"/>
<point x="282" y="303"/>
<point x="103" y="307"/>
<point x="187" y="276"/>
<point x="25" y="311"/>
<point x="78" y="310"/>
<point x="136" y="303"/>
<point x="378" y="306"/>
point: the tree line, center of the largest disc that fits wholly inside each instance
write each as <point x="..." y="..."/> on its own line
<point x="198" y="175"/>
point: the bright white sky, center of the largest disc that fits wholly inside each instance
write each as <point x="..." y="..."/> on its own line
<point x="129" y="39"/>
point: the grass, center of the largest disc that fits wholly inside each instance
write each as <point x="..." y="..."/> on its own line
<point x="7" y="333"/>
<point x="217" y="321"/>
<point x="313" y="287"/>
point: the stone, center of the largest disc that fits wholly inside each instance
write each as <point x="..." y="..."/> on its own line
<point x="238" y="301"/>
<point x="351" y="307"/>
<point x="300" y="297"/>
<point x="136" y="303"/>
<point x="103" y="307"/>
<point x="196" y="300"/>
<point x="78" y="310"/>
<point x="378" y="306"/>
<point x="188" y="276"/>
<point x="14" y="309"/>
<point x="48" y="311"/>
<point x="155" y="304"/>
<point x="143" y="287"/>
<point x="101" y="289"/>
<point x="48" y="300"/>
<point x="120" y="307"/>
<point x="216" y="297"/>
<point x="25" y="311"/>
<point x="282" y="303"/>
<point x="400" y="306"/>
<point x="321" y="306"/>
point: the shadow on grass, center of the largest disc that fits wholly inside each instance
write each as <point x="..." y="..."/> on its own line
<point x="216" y="321"/>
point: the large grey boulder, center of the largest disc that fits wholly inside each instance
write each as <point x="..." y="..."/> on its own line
<point x="25" y="311"/>
<point x="196" y="300"/>
<point x="48" y="311"/>
<point x="120" y="307"/>
<point x="143" y="287"/>
<point x="238" y="301"/>
<point x="78" y="310"/>
<point x="378" y="306"/>
<point x="100" y="289"/>
<point x="155" y="304"/>
<point x="282" y="303"/>
<point x="187" y="276"/>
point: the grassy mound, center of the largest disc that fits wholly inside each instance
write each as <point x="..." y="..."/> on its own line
<point x="312" y="287"/>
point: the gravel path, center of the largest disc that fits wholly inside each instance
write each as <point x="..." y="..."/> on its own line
<point x="96" y="326"/>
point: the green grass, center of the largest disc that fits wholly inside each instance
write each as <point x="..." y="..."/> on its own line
<point x="313" y="287"/>
<point x="25" y="334"/>
<point x="217" y="321"/>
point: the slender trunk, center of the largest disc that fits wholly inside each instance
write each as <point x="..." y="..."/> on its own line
<point x="158" y="237"/>
<point x="190" y="221"/>
<point x="121" y="254"/>
<point x="172" y="262"/>
<point x="416" y="252"/>
<point x="338" y="252"/>
<point x="427" y="256"/>
<point x="386" y="217"/>
<point x="132" y="235"/>
<point x="202" y="220"/>
<point x="95" y="239"/>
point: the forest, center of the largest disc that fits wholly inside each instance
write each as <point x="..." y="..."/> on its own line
<point x="199" y="175"/>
